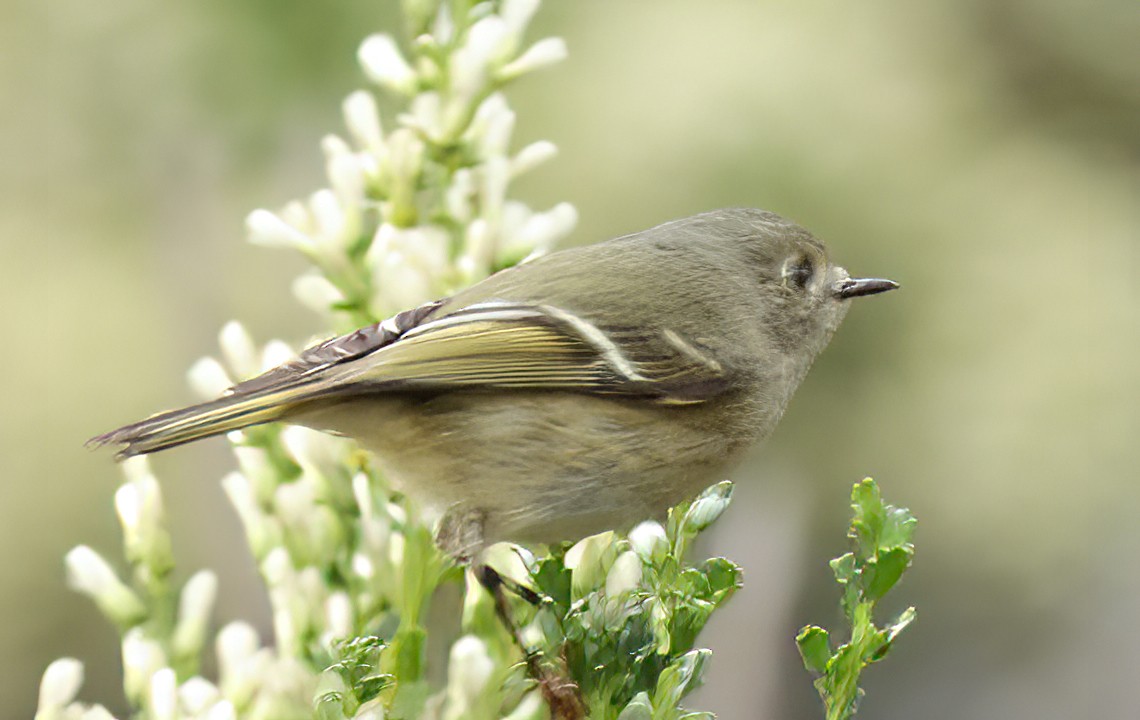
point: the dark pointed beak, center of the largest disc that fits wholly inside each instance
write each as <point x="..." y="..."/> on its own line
<point x="857" y="287"/>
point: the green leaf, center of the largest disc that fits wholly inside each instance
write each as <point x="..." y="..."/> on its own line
<point x="639" y="708"/>
<point x="884" y="571"/>
<point x="867" y="525"/>
<point x="815" y="647"/>
<point x="681" y="677"/>
<point x="891" y="632"/>
<point x="553" y="580"/>
<point x="881" y="536"/>
<point x="724" y="577"/>
<point x="844" y="568"/>
<point x="898" y="528"/>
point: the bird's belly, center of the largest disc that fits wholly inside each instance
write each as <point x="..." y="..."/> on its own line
<point x="540" y="467"/>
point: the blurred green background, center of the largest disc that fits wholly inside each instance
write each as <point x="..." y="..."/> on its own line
<point x="983" y="153"/>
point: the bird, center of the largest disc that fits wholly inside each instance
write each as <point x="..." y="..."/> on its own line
<point x="580" y="391"/>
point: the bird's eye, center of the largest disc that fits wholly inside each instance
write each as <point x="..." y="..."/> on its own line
<point x="798" y="272"/>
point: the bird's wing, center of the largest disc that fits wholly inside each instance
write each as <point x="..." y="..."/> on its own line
<point x="504" y="345"/>
<point x="510" y="345"/>
<point x="493" y="345"/>
<point x="336" y="351"/>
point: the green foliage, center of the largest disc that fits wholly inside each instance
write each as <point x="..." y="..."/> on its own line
<point x="625" y="613"/>
<point x="618" y="615"/>
<point x="353" y="680"/>
<point x="881" y="551"/>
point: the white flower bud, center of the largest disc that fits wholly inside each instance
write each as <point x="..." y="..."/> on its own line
<point x="468" y="672"/>
<point x="142" y="658"/>
<point x="316" y="292"/>
<point x="493" y="106"/>
<point x="475" y="261"/>
<point x="398" y="514"/>
<point x="277" y="568"/>
<point x="532" y="156"/>
<point x="400" y="284"/>
<point x="708" y="507"/>
<point x="624" y="575"/>
<point x="304" y="445"/>
<point x="164" y="695"/>
<point x="405" y="153"/>
<point x="487" y="43"/>
<point x="238" y="350"/>
<point x="539" y="232"/>
<point x="276" y="352"/>
<point x="362" y="493"/>
<point x="649" y="541"/>
<point x="329" y="217"/>
<point x="194" y="608"/>
<point x="589" y="561"/>
<point x="338" y="616"/>
<point x="517" y="14"/>
<point x="197" y="695"/>
<point x="257" y="528"/>
<point x="61" y="681"/>
<point x="253" y="461"/>
<point x="427" y="114"/>
<point x="137" y="469"/>
<point x="96" y="712"/>
<point x="128" y="505"/>
<point x="334" y="146"/>
<point x="362" y="565"/>
<point x="296" y="503"/>
<point x="544" y="53"/>
<point x="236" y="645"/>
<point x="90" y="574"/>
<point x="459" y="194"/>
<point x="363" y="120"/>
<point x="286" y="631"/>
<point x="493" y="188"/>
<point x="222" y="710"/>
<point x="139" y="506"/>
<point x="269" y="230"/>
<point x="297" y="215"/>
<point x="208" y="378"/>
<point x="346" y="174"/>
<point x="497" y="135"/>
<point x="384" y="64"/>
<point x="429" y="247"/>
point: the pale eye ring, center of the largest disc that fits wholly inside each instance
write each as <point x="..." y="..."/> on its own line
<point x="799" y="272"/>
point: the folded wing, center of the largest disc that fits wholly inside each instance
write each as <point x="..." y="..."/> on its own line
<point x="494" y="345"/>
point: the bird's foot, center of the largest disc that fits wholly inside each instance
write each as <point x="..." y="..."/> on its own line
<point x="558" y="690"/>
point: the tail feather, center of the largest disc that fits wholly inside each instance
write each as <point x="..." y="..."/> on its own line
<point x="178" y="427"/>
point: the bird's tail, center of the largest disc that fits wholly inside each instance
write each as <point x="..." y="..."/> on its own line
<point x="178" y="427"/>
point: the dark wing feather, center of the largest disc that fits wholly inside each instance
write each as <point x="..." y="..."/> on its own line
<point x="338" y="350"/>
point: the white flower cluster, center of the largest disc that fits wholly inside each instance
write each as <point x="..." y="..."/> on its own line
<point x="409" y="215"/>
<point x="420" y="211"/>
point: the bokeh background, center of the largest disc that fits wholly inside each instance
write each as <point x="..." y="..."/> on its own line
<point x="983" y="153"/>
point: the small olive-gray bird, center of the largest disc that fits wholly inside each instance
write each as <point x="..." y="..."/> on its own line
<point x="581" y="391"/>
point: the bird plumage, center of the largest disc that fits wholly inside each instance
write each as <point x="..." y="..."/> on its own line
<point x="570" y="394"/>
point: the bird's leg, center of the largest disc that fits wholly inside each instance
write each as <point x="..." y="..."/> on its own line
<point x="560" y="693"/>
<point x="460" y="535"/>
